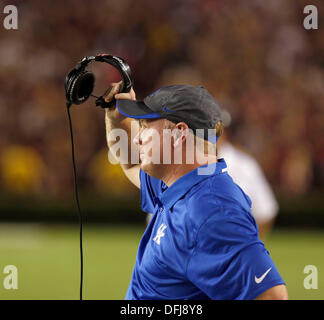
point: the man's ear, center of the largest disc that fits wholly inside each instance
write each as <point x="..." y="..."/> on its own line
<point x="180" y="132"/>
<point x="177" y="138"/>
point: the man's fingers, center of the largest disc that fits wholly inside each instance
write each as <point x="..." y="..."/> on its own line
<point x="109" y="94"/>
<point x="132" y="93"/>
<point x="124" y="96"/>
<point x="112" y="92"/>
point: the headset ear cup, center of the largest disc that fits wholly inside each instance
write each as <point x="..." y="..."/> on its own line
<point x="67" y="84"/>
<point x="80" y="87"/>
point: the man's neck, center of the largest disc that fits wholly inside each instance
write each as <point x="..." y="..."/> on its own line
<point x="179" y="170"/>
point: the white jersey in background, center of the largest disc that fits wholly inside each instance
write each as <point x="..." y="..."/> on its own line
<point x="247" y="173"/>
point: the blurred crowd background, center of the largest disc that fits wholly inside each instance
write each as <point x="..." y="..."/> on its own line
<point x="254" y="56"/>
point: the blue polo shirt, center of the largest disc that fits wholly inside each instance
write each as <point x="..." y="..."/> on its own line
<point x="202" y="241"/>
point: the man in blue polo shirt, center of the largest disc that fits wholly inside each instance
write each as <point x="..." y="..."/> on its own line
<point x="202" y="241"/>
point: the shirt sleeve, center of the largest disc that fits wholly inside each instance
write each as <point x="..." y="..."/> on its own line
<point x="150" y="189"/>
<point x="229" y="261"/>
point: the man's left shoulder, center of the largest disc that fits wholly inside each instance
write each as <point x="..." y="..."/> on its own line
<point x="202" y="202"/>
<point x="215" y="197"/>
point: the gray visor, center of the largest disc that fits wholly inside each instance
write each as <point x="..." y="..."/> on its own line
<point x="136" y="109"/>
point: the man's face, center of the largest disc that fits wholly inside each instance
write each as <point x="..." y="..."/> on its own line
<point x="150" y="142"/>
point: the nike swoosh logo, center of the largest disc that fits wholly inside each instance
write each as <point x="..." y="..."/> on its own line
<point x="259" y="280"/>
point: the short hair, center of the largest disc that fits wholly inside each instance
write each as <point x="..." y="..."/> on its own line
<point x="219" y="127"/>
<point x="219" y="130"/>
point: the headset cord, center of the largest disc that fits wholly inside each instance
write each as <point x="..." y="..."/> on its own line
<point x="76" y="197"/>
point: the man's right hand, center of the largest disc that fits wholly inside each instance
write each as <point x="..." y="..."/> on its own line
<point x="115" y="120"/>
<point x="112" y="113"/>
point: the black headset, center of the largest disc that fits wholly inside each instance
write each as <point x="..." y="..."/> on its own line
<point x="79" y="83"/>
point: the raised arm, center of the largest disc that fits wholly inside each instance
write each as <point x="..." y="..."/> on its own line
<point x="115" y="120"/>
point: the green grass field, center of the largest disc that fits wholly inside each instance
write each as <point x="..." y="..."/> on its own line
<point x="47" y="258"/>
